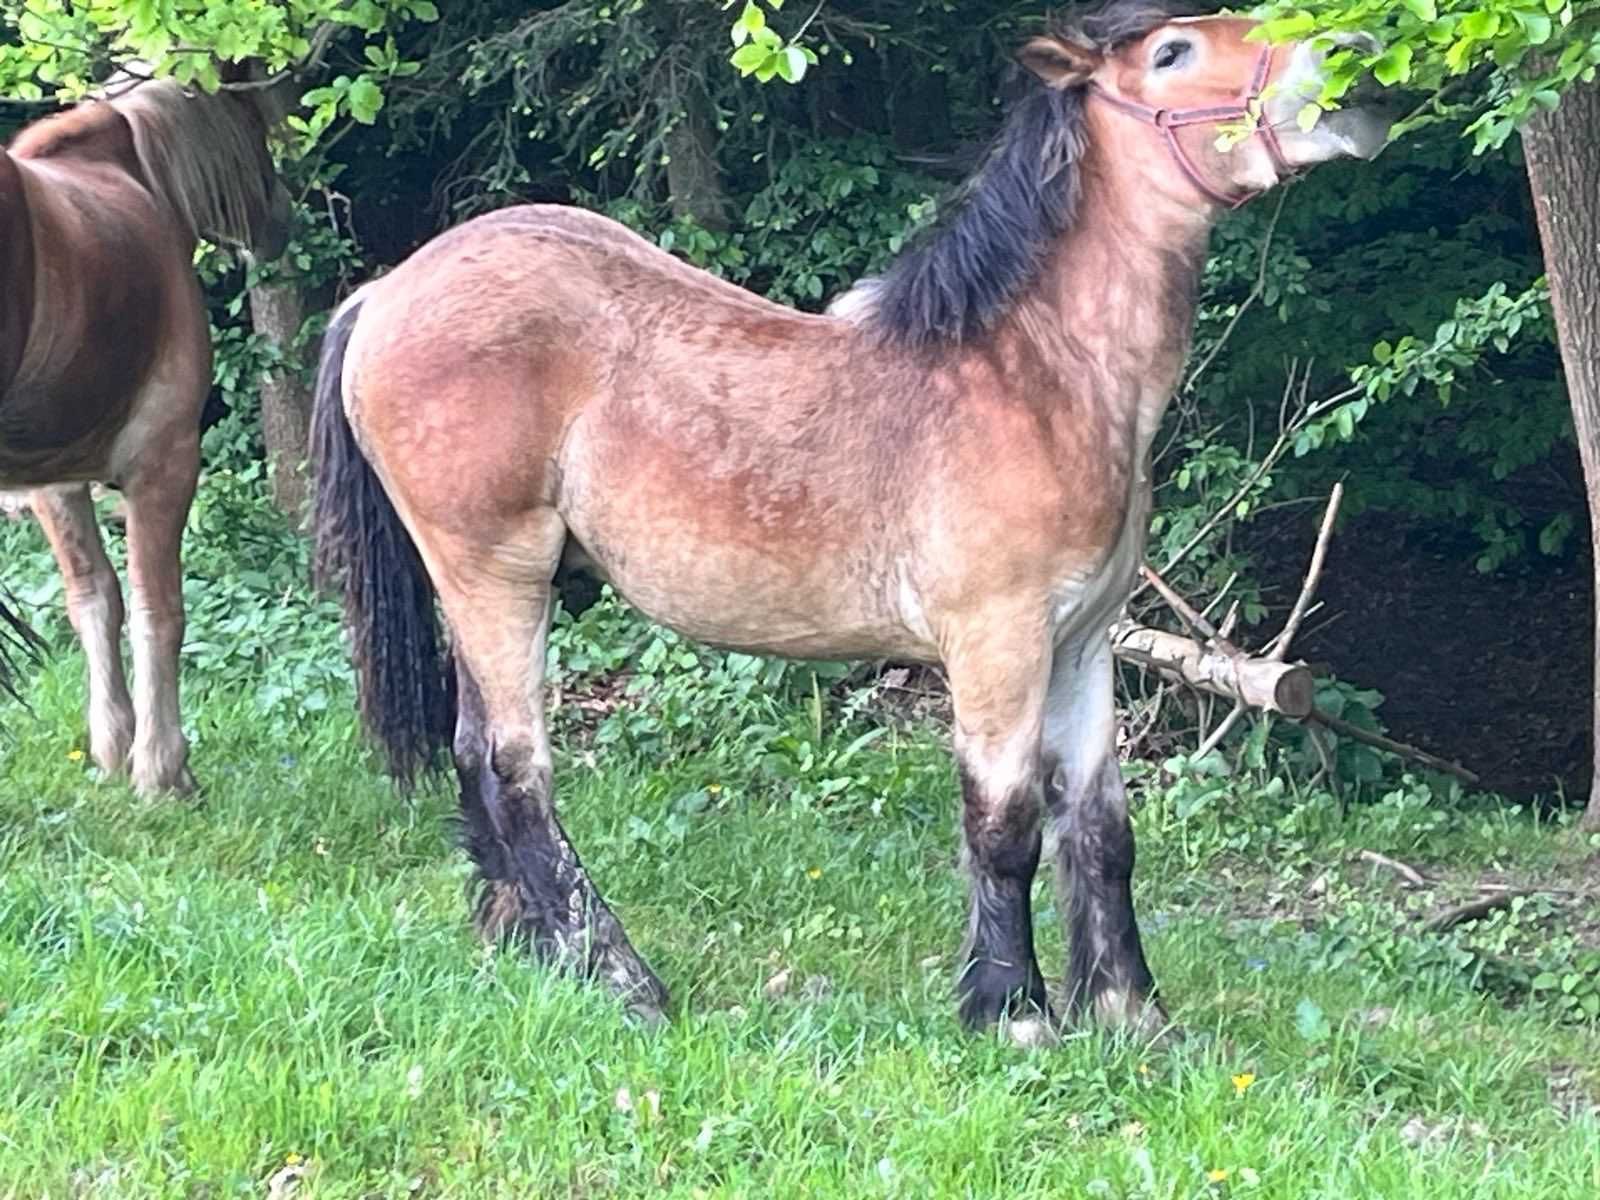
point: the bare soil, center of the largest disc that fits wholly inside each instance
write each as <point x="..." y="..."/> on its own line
<point x="1492" y="671"/>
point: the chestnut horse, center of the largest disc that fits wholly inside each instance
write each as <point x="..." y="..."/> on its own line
<point x="105" y="362"/>
<point x="951" y="468"/>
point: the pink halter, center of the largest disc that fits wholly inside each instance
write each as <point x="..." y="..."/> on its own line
<point x="1170" y="120"/>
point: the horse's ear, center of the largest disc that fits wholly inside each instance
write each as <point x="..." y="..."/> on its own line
<point x="1060" y="63"/>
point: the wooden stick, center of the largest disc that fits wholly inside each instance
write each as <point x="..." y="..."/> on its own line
<point x="1186" y="611"/>
<point x="1356" y="733"/>
<point x="1308" y="589"/>
<point x="1471" y="911"/>
<point x="1288" y="688"/>
<point x="1214" y="738"/>
<point x="1406" y="872"/>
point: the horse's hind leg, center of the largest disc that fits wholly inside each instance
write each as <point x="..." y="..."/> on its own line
<point x="94" y="604"/>
<point x="1108" y="979"/>
<point x="535" y="889"/>
<point x="159" y="487"/>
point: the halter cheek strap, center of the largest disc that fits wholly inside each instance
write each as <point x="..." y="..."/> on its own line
<point x="1170" y="120"/>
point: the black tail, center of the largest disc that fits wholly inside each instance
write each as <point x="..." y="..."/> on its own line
<point x="403" y="675"/>
<point x="18" y="641"/>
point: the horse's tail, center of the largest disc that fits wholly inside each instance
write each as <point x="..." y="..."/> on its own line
<point x="404" y="677"/>
<point x="18" y="644"/>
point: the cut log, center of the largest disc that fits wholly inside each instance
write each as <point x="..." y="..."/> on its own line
<point x="1260" y="683"/>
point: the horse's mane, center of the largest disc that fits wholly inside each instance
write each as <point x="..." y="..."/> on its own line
<point x="967" y="269"/>
<point x="205" y="156"/>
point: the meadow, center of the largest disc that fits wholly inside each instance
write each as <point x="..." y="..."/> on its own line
<point x="271" y="989"/>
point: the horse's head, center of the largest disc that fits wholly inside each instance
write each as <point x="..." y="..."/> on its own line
<point x="268" y="98"/>
<point x="1226" y="107"/>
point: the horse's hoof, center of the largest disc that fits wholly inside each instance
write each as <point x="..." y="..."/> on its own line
<point x="646" y="1013"/>
<point x="1033" y="1032"/>
<point x="1137" y="1018"/>
<point x="180" y="786"/>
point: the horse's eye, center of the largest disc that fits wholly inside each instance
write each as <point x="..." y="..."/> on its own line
<point x="1170" y="54"/>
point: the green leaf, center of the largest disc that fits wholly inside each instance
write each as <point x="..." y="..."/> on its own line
<point x="1311" y="1023"/>
<point x="1395" y="66"/>
<point x="1481" y="24"/>
<point x="1536" y="25"/>
<point x="365" y="100"/>
<point x="750" y="58"/>
<point x="1295" y="25"/>
<point x="792" y="65"/>
<point x="1459" y="56"/>
<point x="1423" y="10"/>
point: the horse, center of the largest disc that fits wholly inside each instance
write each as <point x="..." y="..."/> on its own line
<point x="105" y="361"/>
<point x="951" y="467"/>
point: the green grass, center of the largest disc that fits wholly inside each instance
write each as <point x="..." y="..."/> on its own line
<point x="194" y="995"/>
<point x="195" y="992"/>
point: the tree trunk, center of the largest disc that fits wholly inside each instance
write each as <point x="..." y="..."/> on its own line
<point x="693" y="180"/>
<point x="277" y="310"/>
<point x="1563" y="157"/>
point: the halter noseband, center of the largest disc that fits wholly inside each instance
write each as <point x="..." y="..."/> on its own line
<point x="1170" y="120"/>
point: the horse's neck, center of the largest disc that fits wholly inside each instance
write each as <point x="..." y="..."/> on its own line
<point x="1117" y="301"/>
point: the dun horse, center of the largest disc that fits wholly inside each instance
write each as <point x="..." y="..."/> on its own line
<point x="105" y="363"/>
<point x="951" y="468"/>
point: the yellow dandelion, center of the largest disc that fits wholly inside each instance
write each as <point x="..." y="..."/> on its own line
<point x="1242" y="1083"/>
<point x="814" y="873"/>
<point x="1144" y="1069"/>
<point x="713" y="788"/>
<point x="292" y="1159"/>
<point x="1217" y="1174"/>
<point x="74" y="755"/>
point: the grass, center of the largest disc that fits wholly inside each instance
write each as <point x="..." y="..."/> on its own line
<point x="278" y="981"/>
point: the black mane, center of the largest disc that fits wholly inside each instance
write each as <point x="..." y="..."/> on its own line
<point x="965" y="271"/>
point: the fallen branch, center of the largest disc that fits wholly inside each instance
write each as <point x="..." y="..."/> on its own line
<point x="1223" y="670"/>
<point x="1473" y="910"/>
<point x="1406" y="872"/>
<point x="1415" y="754"/>
<point x="1308" y="590"/>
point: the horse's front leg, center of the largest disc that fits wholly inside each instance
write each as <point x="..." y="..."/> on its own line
<point x="159" y="487"/>
<point x="998" y="692"/>
<point x="94" y="604"/>
<point x="1108" y="979"/>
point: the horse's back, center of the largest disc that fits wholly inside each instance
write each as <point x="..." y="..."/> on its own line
<point x="492" y="339"/>
<point x="686" y="431"/>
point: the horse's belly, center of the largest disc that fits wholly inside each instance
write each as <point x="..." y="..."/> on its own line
<point x="737" y="596"/>
<point x="757" y="560"/>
